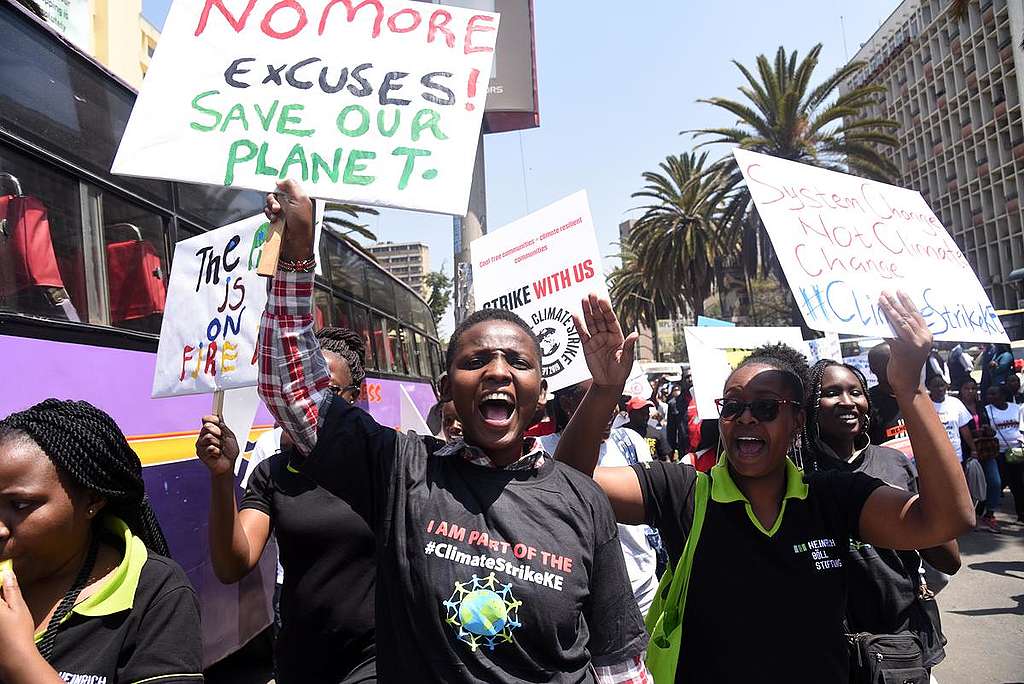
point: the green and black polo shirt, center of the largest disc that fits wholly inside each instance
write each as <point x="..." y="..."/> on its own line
<point x="764" y="605"/>
<point x="142" y="625"/>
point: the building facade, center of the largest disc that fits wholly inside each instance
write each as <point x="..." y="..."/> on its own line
<point x="955" y="88"/>
<point x="407" y="261"/>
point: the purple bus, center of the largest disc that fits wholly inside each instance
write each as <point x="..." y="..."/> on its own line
<point x="84" y="258"/>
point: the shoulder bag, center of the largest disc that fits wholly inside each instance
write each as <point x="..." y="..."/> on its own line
<point x="1012" y="454"/>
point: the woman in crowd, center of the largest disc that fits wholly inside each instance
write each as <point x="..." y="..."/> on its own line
<point x="326" y="549"/>
<point x="494" y="562"/>
<point x="887" y="594"/>
<point x="1004" y="417"/>
<point x="92" y="595"/>
<point x="770" y="556"/>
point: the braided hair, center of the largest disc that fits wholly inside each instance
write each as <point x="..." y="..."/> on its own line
<point x="815" y="456"/>
<point x="349" y="345"/>
<point x="87" y="447"/>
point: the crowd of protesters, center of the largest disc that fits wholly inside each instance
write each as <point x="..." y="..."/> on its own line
<point x="559" y="538"/>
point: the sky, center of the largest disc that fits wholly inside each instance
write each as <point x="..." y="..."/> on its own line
<point x="617" y="84"/>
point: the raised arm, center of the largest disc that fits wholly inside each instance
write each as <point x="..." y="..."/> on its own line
<point x="293" y="376"/>
<point x="895" y="519"/>
<point x="237" y="538"/>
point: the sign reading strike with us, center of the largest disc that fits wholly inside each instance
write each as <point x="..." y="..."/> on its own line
<point x="215" y="300"/>
<point x="364" y="101"/>
<point x="541" y="267"/>
<point x="842" y="240"/>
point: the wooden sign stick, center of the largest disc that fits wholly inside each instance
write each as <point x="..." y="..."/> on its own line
<point x="218" y="403"/>
<point x="271" y="249"/>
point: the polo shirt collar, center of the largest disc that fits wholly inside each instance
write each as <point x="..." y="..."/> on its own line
<point x="118" y="593"/>
<point x="724" y="490"/>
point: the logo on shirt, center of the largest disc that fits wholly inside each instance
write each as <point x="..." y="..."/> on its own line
<point x="559" y="341"/>
<point x="824" y="553"/>
<point x="483" y="611"/>
<point x="73" y="678"/>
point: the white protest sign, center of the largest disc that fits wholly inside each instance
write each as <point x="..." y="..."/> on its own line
<point x="371" y="102"/>
<point x="214" y="303"/>
<point x="716" y="351"/>
<point x="842" y="240"/>
<point x="825" y="348"/>
<point x="541" y="267"/>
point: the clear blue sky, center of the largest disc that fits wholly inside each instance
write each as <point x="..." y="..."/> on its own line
<point x="617" y="83"/>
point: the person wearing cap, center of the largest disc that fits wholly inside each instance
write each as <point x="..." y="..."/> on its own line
<point x="639" y="411"/>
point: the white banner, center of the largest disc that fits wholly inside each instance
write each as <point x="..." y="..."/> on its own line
<point x="843" y="239"/>
<point x="372" y="102"/>
<point x="540" y="267"/>
<point x="715" y="352"/>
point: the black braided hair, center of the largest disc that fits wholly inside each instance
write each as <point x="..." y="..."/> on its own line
<point x="782" y="358"/>
<point x="815" y="457"/>
<point x="349" y="345"/>
<point x="86" y="445"/>
<point x="484" y="316"/>
<point x="49" y="638"/>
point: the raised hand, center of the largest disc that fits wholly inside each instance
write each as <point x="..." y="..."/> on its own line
<point x="911" y="346"/>
<point x="217" y="447"/>
<point x="293" y="204"/>
<point x="609" y="355"/>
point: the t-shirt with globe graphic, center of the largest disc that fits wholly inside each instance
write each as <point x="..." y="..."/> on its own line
<point x="483" y="575"/>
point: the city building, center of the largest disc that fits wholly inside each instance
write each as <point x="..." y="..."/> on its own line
<point x="114" y="32"/>
<point x="407" y="261"/>
<point x="955" y="88"/>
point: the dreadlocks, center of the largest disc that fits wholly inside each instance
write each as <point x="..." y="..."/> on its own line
<point x="349" y="345"/>
<point x="815" y="457"/>
<point x="86" y="446"/>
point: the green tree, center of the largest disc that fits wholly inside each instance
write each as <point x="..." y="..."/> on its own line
<point x="784" y="116"/>
<point x="770" y="304"/>
<point x="632" y="294"/>
<point x="439" y="286"/>
<point x="340" y="219"/>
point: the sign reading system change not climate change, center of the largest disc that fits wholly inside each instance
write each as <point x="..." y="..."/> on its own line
<point x="842" y="240"/>
<point x="374" y="102"/>
<point x="541" y="267"/>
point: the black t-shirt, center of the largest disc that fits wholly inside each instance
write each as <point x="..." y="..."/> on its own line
<point x="327" y="552"/>
<point x="887" y="423"/>
<point x="141" y="626"/>
<point x="484" y="575"/>
<point x="657" y="439"/>
<point x="763" y="605"/>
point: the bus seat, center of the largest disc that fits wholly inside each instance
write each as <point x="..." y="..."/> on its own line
<point x="135" y="277"/>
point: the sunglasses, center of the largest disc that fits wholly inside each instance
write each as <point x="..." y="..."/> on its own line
<point x="349" y="393"/>
<point x="763" y="410"/>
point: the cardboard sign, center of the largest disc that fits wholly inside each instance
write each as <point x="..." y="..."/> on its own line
<point x="214" y="303"/>
<point x="540" y="267"/>
<point x="375" y="102"/>
<point x="716" y="351"/>
<point x="842" y="240"/>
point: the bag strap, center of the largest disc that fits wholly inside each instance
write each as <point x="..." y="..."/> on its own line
<point x="995" y="428"/>
<point x="625" y="445"/>
<point x="675" y="604"/>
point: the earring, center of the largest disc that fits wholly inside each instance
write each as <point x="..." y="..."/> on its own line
<point x="91" y="512"/>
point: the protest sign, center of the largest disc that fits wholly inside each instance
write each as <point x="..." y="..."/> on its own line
<point x="375" y="102"/>
<point x="214" y="303"/>
<point x="541" y="267"/>
<point x="825" y="348"/>
<point x="842" y="240"/>
<point x="716" y="351"/>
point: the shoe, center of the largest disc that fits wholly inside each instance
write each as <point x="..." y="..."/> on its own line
<point x="990" y="523"/>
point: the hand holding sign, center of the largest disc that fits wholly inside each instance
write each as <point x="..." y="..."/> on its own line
<point x="217" y="446"/>
<point x="911" y="346"/>
<point x="609" y="355"/>
<point x="291" y="212"/>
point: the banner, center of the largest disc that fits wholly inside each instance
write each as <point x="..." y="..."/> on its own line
<point x="375" y="102"/>
<point x="540" y="267"/>
<point x="842" y="240"/>
<point x="716" y="351"/>
<point x="214" y="303"/>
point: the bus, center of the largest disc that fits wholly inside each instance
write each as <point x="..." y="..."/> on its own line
<point x="84" y="259"/>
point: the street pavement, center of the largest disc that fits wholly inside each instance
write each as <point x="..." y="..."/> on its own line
<point x="982" y="616"/>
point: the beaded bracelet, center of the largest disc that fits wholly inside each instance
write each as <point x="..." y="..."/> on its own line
<point x="298" y="266"/>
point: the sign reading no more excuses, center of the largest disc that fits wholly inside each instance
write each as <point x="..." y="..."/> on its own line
<point x="842" y="240"/>
<point x="365" y="101"/>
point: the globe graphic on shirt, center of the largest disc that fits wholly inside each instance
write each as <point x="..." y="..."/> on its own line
<point x="483" y="612"/>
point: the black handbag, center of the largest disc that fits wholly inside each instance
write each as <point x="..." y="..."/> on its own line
<point x="887" y="659"/>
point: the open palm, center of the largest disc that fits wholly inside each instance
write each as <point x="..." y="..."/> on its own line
<point x="608" y="353"/>
<point x="912" y="344"/>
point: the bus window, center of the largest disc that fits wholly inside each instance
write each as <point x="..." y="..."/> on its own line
<point x="405" y="347"/>
<point x="344" y="266"/>
<point x="419" y="350"/>
<point x="42" y="262"/>
<point x="342" y="319"/>
<point x="136" y="258"/>
<point x="385" y="345"/>
<point x="436" y="361"/>
<point x="321" y="308"/>
<point x="361" y="324"/>
<point x="382" y="290"/>
<point x="216" y="206"/>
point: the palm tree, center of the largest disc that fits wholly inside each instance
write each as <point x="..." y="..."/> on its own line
<point x="631" y="293"/>
<point x="785" y="117"/>
<point x="338" y="218"/>
<point x="677" y="241"/>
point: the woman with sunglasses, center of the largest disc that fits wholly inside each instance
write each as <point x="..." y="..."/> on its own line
<point x="767" y="585"/>
<point x="326" y="548"/>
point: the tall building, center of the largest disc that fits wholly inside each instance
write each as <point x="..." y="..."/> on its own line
<point x="407" y="261"/>
<point x="114" y="32"/>
<point x="955" y="88"/>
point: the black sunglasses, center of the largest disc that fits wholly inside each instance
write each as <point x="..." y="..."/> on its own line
<point x="763" y="410"/>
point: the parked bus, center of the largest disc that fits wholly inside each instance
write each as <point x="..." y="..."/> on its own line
<point x="84" y="258"/>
